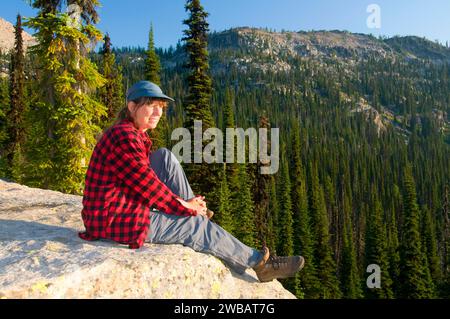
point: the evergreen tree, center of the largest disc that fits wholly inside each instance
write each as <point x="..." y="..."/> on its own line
<point x="88" y="8"/>
<point x="350" y="280"/>
<point x="15" y="116"/>
<point x="261" y="190"/>
<point x="63" y="114"/>
<point x="197" y="104"/>
<point x="431" y="289"/>
<point x="245" y="229"/>
<point x="377" y="253"/>
<point x="445" y="250"/>
<point x="285" y="221"/>
<point x="229" y="122"/>
<point x="232" y="168"/>
<point x="333" y="217"/>
<point x="272" y="222"/>
<point x="303" y="245"/>
<point x="152" y="74"/>
<point x="349" y="272"/>
<point x="111" y="94"/>
<point x="152" y="62"/>
<point x="223" y="216"/>
<point x="326" y="267"/>
<point x="429" y="243"/>
<point x="4" y="107"/>
<point x="393" y="249"/>
<point x="286" y="224"/>
<point x="299" y="196"/>
<point x="412" y="268"/>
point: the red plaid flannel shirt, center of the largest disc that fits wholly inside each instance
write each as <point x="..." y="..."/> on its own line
<point x="121" y="188"/>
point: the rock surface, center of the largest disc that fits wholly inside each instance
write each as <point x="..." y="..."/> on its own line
<point x="41" y="256"/>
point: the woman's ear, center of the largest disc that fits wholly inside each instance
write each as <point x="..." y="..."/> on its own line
<point x="131" y="106"/>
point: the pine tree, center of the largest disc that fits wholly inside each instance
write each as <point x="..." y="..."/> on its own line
<point x="349" y="272"/>
<point x="152" y="62"/>
<point x="412" y="272"/>
<point x="376" y="252"/>
<point x="111" y="95"/>
<point x="393" y="241"/>
<point x="431" y="289"/>
<point x="333" y="216"/>
<point x="15" y="125"/>
<point x="223" y="215"/>
<point x="4" y="107"/>
<point x="229" y="122"/>
<point x="88" y="8"/>
<point x="197" y="104"/>
<point x="286" y="227"/>
<point x="303" y="245"/>
<point x="272" y="222"/>
<point x="429" y="243"/>
<point x="350" y="280"/>
<point x="152" y="74"/>
<point x="299" y="196"/>
<point x="232" y="168"/>
<point x="393" y="249"/>
<point x="444" y="288"/>
<point x="63" y="114"/>
<point x="326" y="267"/>
<point x="245" y="229"/>
<point x="286" y="234"/>
<point x="261" y="190"/>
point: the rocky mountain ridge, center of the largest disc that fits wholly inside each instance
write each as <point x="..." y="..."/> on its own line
<point x="333" y="44"/>
<point x="7" y="36"/>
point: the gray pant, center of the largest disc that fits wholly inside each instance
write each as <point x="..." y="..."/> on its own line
<point x="199" y="233"/>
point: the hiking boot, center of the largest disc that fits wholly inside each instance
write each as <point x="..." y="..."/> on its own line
<point x="278" y="267"/>
<point x="266" y="254"/>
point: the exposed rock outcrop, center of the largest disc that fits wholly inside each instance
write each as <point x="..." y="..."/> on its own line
<point x="7" y="36"/>
<point x="41" y="256"/>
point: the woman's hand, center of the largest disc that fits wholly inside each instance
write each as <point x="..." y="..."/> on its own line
<point x="197" y="204"/>
<point x="200" y="200"/>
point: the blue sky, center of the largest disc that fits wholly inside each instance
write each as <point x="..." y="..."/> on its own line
<point x="128" y="21"/>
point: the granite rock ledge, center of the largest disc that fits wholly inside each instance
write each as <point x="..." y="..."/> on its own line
<point x="41" y="256"/>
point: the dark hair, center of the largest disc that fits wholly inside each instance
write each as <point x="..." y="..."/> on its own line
<point x="125" y="114"/>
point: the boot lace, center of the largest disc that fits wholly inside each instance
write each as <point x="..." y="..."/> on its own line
<point x="277" y="262"/>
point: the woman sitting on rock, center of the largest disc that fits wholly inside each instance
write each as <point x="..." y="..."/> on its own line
<point x="125" y="180"/>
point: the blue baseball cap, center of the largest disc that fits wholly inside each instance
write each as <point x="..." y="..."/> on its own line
<point x="146" y="88"/>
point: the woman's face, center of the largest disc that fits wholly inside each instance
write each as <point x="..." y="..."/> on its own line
<point x="146" y="116"/>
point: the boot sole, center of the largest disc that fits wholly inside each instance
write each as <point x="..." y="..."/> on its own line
<point x="302" y="263"/>
<point x="300" y="267"/>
